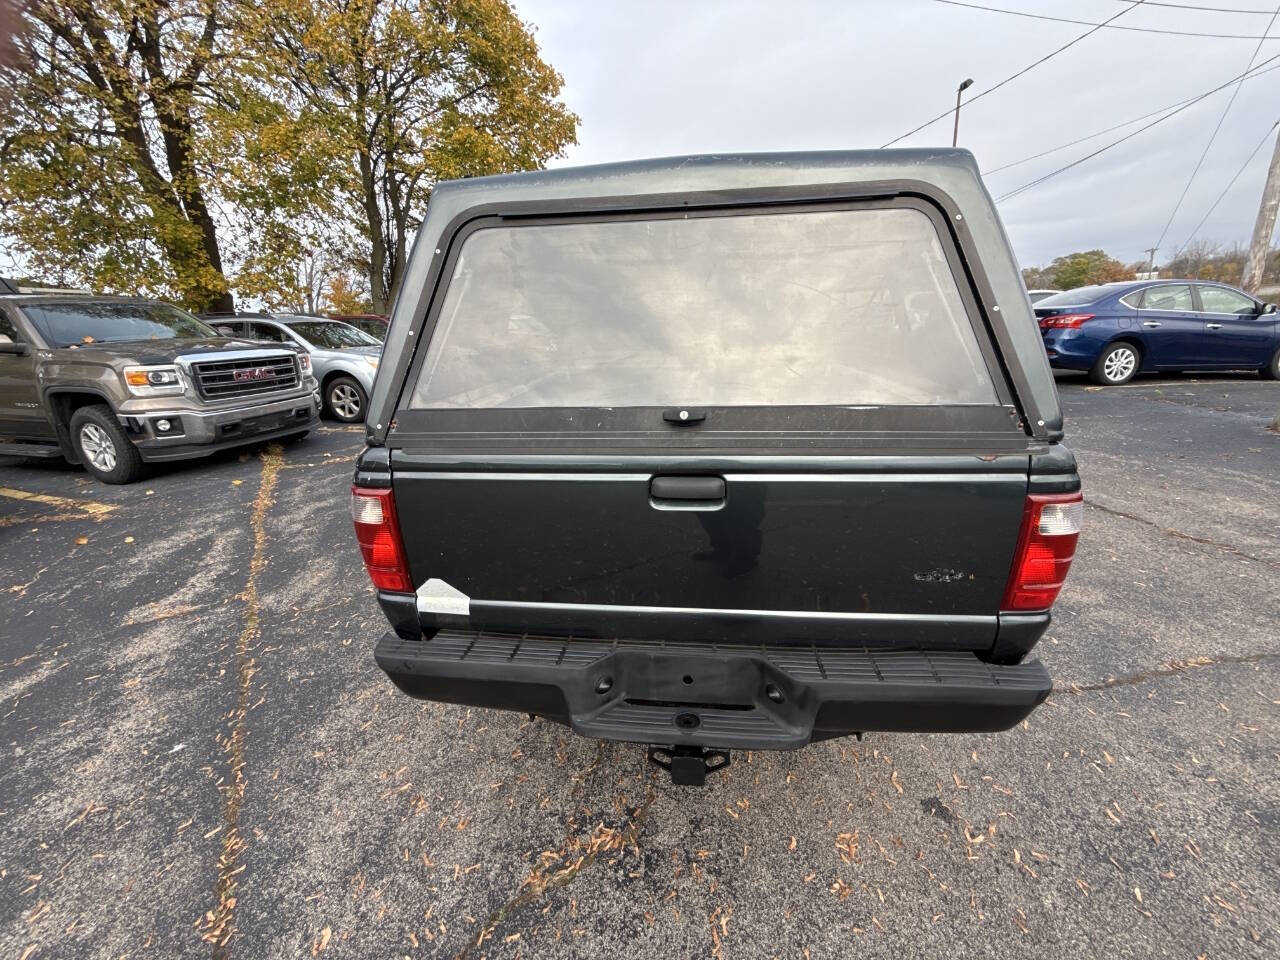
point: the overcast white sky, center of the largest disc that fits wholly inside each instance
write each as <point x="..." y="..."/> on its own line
<point x="666" y="77"/>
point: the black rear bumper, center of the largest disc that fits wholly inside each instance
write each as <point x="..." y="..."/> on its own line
<point x="748" y="697"/>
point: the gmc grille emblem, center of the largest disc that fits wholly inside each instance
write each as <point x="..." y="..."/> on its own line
<point x="253" y="373"/>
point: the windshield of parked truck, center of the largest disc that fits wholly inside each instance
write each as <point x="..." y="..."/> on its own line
<point x="77" y="324"/>
<point x="820" y="307"/>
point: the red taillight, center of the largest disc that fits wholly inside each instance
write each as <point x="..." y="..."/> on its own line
<point x="1064" y="320"/>
<point x="374" y="514"/>
<point x="1046" y="547"/>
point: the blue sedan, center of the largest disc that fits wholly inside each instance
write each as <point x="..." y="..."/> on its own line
<point x="1115" y="330"/>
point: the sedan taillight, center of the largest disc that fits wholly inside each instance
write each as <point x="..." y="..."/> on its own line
<point x="1065" y="321"/>
<point x="1046" y="546"/>
<point x="374" y="513"/>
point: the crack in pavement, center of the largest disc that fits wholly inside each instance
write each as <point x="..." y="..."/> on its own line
<point x="604" y="839"/>
<point x="1179" y="535"/>
<point x="219" y="923"/>
<point x="1171" y="668"/>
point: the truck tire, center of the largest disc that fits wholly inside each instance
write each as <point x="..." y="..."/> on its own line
<point x="1272" y="370"/>
<point x="102" y="445"/>
<point x="1117" y="364"/>
<point x="344" y="400"/>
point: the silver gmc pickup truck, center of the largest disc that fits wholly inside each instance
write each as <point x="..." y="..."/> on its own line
<point x="112" y="383"/>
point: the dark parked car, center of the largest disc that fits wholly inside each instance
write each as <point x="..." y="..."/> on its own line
<point x="719" y="452"/>
<point x="1116" y="330"/>
<point x="113" y="382"/>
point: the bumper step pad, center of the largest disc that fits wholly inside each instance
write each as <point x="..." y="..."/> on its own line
<point x="722" y="695"/>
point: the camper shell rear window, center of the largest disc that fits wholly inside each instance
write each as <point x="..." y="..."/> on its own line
<point x="851" y="306"/>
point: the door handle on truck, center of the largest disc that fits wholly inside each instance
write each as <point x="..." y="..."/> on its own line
<point x="1214" y="326"/>
<point x="1151" y="323"/>
<point x="686" y="493"/>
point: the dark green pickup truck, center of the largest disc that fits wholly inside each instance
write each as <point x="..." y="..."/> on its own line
<point x="719" y="452"/>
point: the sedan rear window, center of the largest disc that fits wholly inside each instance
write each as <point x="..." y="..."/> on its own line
<point x="75" y="324"/>
<point x="821" y="307"/>
<point x="1079" y="297"/>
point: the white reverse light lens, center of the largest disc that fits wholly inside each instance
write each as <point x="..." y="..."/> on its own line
<point x="366" y="509"/>
<point x="1060" y="519"/>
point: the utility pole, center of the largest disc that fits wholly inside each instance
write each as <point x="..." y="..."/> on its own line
<point x="1265" y="226"/>
<point x="1151" y="263"/>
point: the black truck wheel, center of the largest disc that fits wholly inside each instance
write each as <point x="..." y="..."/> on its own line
<point x="102" y="445"/>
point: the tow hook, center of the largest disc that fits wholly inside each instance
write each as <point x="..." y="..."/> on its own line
<point x="689" y="766"/>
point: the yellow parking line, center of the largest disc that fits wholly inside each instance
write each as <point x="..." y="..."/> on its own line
<point x="90" y="507"/>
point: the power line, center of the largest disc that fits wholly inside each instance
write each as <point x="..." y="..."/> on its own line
<point x="1213" y="136"/>
<point x="1049" y="56"/>
<point x="1225" y="190"/>
<point x="1193" y="6"/>
<point x="1063" y="146"/>
<point x="1129" y="136"/>
<point x="1107" y="23"/>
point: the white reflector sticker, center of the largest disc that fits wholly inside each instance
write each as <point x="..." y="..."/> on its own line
<point x="367" y="509"/>
<point x="1060" y="519"/>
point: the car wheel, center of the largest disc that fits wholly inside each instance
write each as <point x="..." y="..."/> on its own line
<point x="1272" y="370"/>
<point x="1117" y="365"/>
<point x="345" y="400"/>
<point x="102" y="445"/>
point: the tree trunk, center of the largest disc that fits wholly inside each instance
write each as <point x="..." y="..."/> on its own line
<point x="377" y="247"/>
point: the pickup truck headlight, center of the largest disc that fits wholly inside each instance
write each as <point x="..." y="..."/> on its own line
<point x="304" y="363"/>
<point x="154" y="381"/>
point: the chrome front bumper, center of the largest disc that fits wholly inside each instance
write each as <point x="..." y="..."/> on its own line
<point x="195" y="433"/>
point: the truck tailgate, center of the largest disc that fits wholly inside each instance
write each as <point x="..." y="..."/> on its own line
<point x="907" y="551"/>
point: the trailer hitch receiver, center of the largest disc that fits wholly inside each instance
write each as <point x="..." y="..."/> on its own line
<point x="689" y="766"/>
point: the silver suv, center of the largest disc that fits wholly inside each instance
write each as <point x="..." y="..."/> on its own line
<point x="344" y="358"/>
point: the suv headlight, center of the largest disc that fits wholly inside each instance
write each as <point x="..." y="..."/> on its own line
<point x="372" y="361"/>
<point x="154" y="381"/>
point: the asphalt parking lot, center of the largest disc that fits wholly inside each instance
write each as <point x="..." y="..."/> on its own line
<point x="200" y="757"/>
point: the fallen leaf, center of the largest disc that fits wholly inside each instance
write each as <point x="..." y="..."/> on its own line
<point x="81" y="541"/>
<point x="128" y="539"/>
<point x="321" y="942"/>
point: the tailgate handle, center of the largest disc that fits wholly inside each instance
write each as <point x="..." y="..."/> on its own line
<point x="687" y="488"/>
<point x="683" y="415"/>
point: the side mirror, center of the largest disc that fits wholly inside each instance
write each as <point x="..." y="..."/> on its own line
<point x="17" y="349"/>
<point x="1268" y="308"/>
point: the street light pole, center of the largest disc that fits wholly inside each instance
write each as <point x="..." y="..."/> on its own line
<point x="955" y="132"/>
